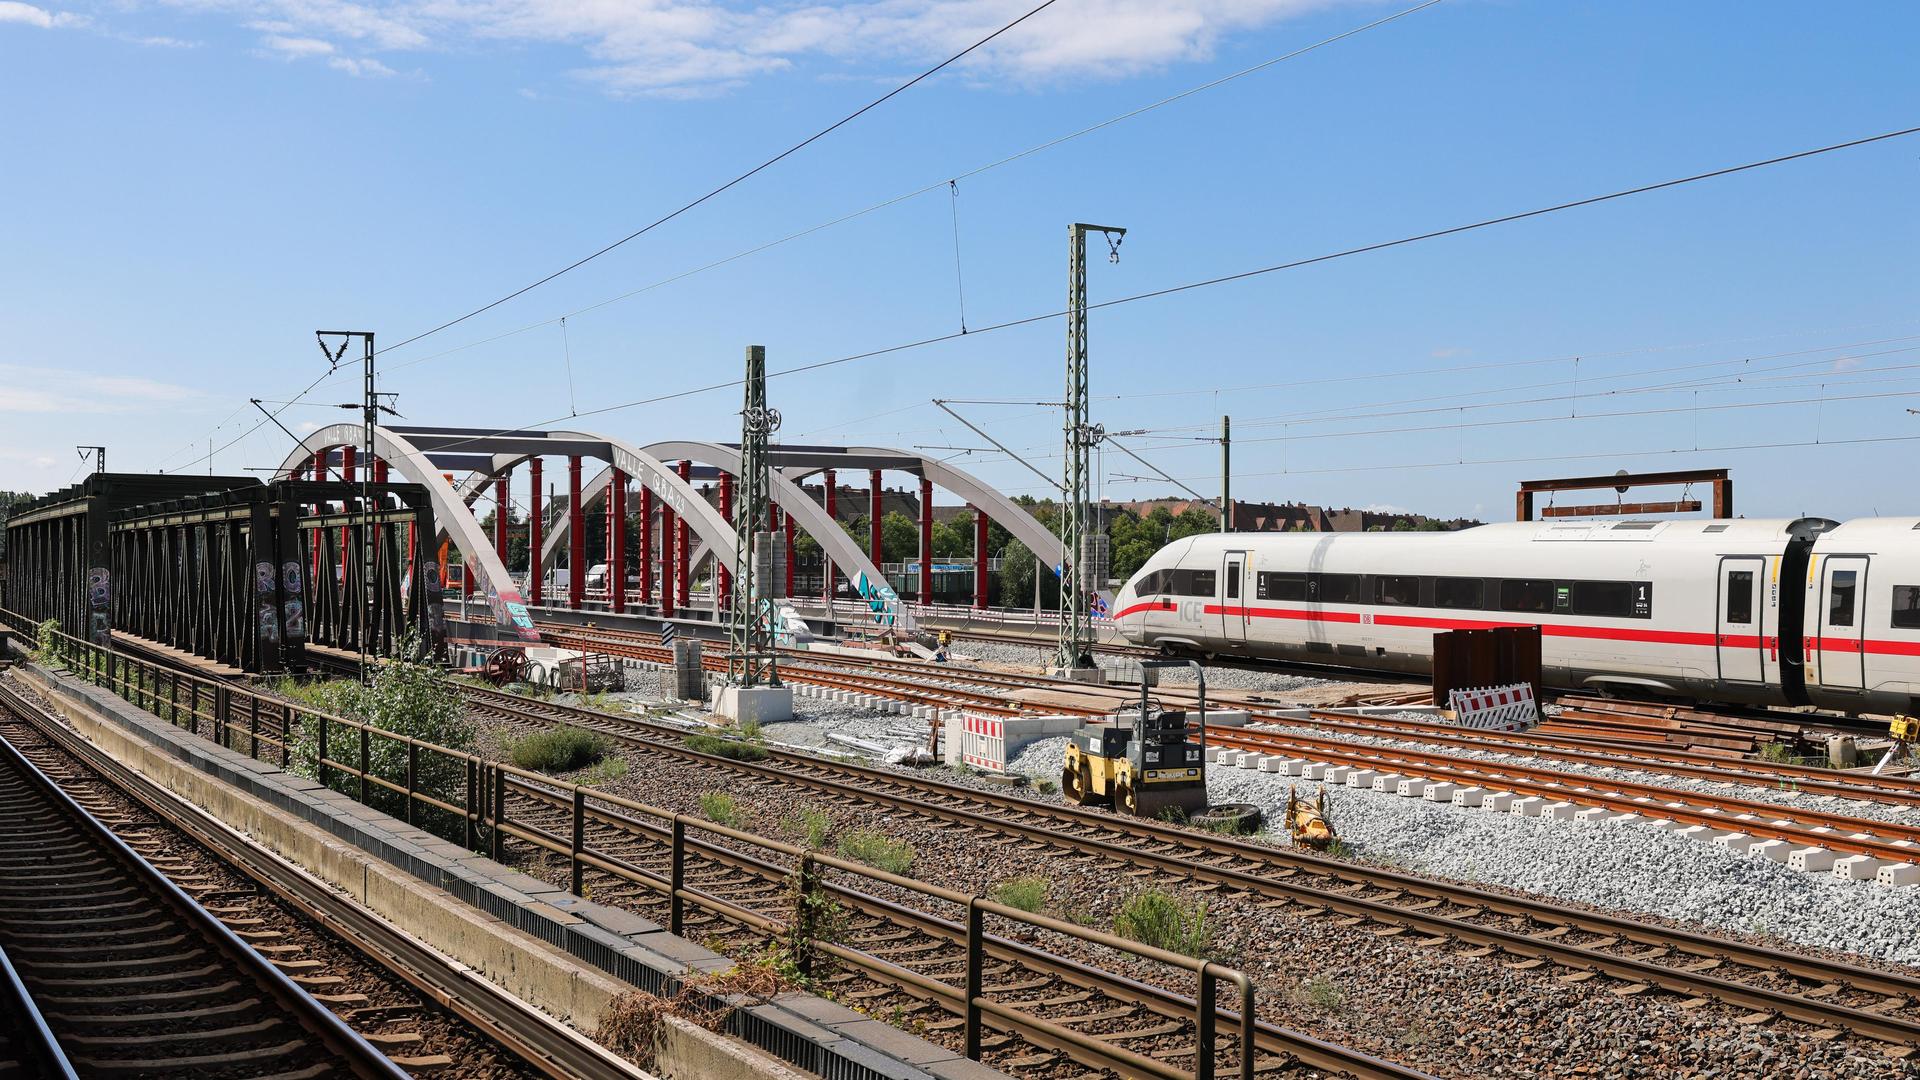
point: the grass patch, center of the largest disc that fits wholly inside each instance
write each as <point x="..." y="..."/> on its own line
<point x="749" y="729"/>
<point x="557" y="750"/>
<point x="877" y="850"/>
<point x="1026" y="893"/>
<point x="603" y="772"/>
<point x="1165" y="921"/>
<point x="1321" y="993"/>
<point x="719" y="808"/>
<point x="732" y="749"/>
<point x="1777" y="752"/>
<point x="813" y="827"/>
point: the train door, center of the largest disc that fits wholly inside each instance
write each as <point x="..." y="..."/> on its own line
<point x="1740" y="638"/>
<point x="1233" y="604"/>
<point x="1843" y="623"/>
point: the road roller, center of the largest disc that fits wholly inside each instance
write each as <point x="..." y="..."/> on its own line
<point x="1138" y="757"/>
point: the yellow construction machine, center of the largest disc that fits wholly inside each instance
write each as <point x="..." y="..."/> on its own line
<point x="1307" y="821"/>
<point x="1138" y="757"/>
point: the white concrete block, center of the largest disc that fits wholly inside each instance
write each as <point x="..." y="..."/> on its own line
<point x="1702" y="833"/>
<point x="1338" y="774"/>
<point x="1361" y="778"/>
<point x="1527" y="807"/>
<point x="1660" y="824"/>
<point x="1812" y="860"/>
<point x="1469" y="796"/>
<point x="1273" y="763"/>
<point x="1412" y="788"/>
<point x="1500" y="802"/>
<point x="1627" y="819"/>
<point x="1438" y="792"/>
<point x="1559" y="811"/>
<point x="1228" y="758"/>
<point x="1858" y="868"/>
<point x="1594" y="814"/>
<point x="1213" y="753"/>
<point x="1252" y="760"/>
<point x="1295" y="766"/>
<point x="1904" y="873"/>
<point x="1736" y="841"/>
<point x="1387" y="782"/>
<point x="1777" y="850"/>
<point x="1315" y="770"/>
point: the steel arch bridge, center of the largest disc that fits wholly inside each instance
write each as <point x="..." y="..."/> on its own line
<point x="695" y="532"/>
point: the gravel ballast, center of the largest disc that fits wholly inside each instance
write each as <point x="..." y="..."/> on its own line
<point x="1624" y="867"/>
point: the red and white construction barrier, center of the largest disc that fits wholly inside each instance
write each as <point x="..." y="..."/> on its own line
<point x="1495" y="706"/>
<point x="983" y="742"/>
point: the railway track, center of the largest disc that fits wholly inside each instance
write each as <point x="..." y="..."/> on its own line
<point x="156" y="941"/>
<point x="1621" y="955"/>
<point x="945" y="686"/>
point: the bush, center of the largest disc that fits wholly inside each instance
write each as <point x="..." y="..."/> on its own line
<point x="726" y="748"/>
<point x="1025" y="893"/>
<point x="720" y="809"/>
<point x="46" y="647"/>
<point x="1166" y="922"/>
<point x="557" y="750"/>
<point x="877" y="850"/>
<point x="813" y="826"/>
<point x="405" y="698"/>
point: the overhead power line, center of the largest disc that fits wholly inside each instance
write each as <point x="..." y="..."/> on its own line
<point x="936" y="185"/>
<point x="757" y="169"/>
<point x="1244" y="275"/>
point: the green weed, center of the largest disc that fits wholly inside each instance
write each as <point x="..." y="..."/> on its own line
<point x="1026" y="893"/>
<point x="719" y="808"/>
<point x="877" y="850"/>
<point x="557" y="750"/>
<point x="1163" y="920"/>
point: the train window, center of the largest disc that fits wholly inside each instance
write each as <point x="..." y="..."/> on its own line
<point x="1396" y="589"/>
<point x="1152" y="584"/>
<point x="1906" y="607"/>
<point x="1280" y="586"/>
<point x="1233" y="581"/>
<point x="1740" y="596"/>
<point x="1459" y="592"/>
<point x="1840" y="597"/>
<point x="1337" y="588"/>
<point x="1520" y="594"/>
<point x="1192" y="583"/>
<point x="1607" y="599"/>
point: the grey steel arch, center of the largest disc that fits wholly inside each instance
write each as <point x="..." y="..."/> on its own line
<point x="509" y="610"/>
<point x="1011" y="515"/>
<point x="811" y="517"/>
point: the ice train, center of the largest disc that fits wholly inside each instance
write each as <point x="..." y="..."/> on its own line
<point x="1772" y="612"/>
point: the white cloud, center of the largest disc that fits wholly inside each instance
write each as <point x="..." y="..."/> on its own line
<point x="363" y="68"/>
<point x="687" y="48"/>
<point x="1451" y="352"/>
<point x="25" y="389"/>
<point x="294" y="47"/>
<point x="12" y="11"/>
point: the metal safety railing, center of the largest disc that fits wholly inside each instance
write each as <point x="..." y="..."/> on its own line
<point x="266" y="728"/>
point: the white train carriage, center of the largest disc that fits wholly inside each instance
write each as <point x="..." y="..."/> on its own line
<point x="1685" y="608"/>
<point x="1862" y="637"/>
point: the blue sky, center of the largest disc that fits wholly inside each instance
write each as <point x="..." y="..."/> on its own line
<point x="189" y="189"/>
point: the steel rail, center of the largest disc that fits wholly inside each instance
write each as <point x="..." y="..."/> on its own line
<point x="913" y="798"/>
<point x="320" y="1023"/>
<point x="1604" y="792"/>
<point x="1269" y="1037"/>
<point x="523" y="1031"/>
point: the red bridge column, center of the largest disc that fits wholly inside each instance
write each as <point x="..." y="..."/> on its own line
<point x="576" y="536"/>
<point x="617" y="543"/>
<point x="313" y="535"/>
<point x="979" y="557"/>
<point x="926" y="540"/>
<point x="667" y="529"/>
<point x="876" y="509"/>
<point x="535" y="586"/>
<point x="789" y="591"/>
<point x="646" y="545"/>
<point x="682" y="572"/>
<point x="722" y="576"/>
<point x="826" y="561"/>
